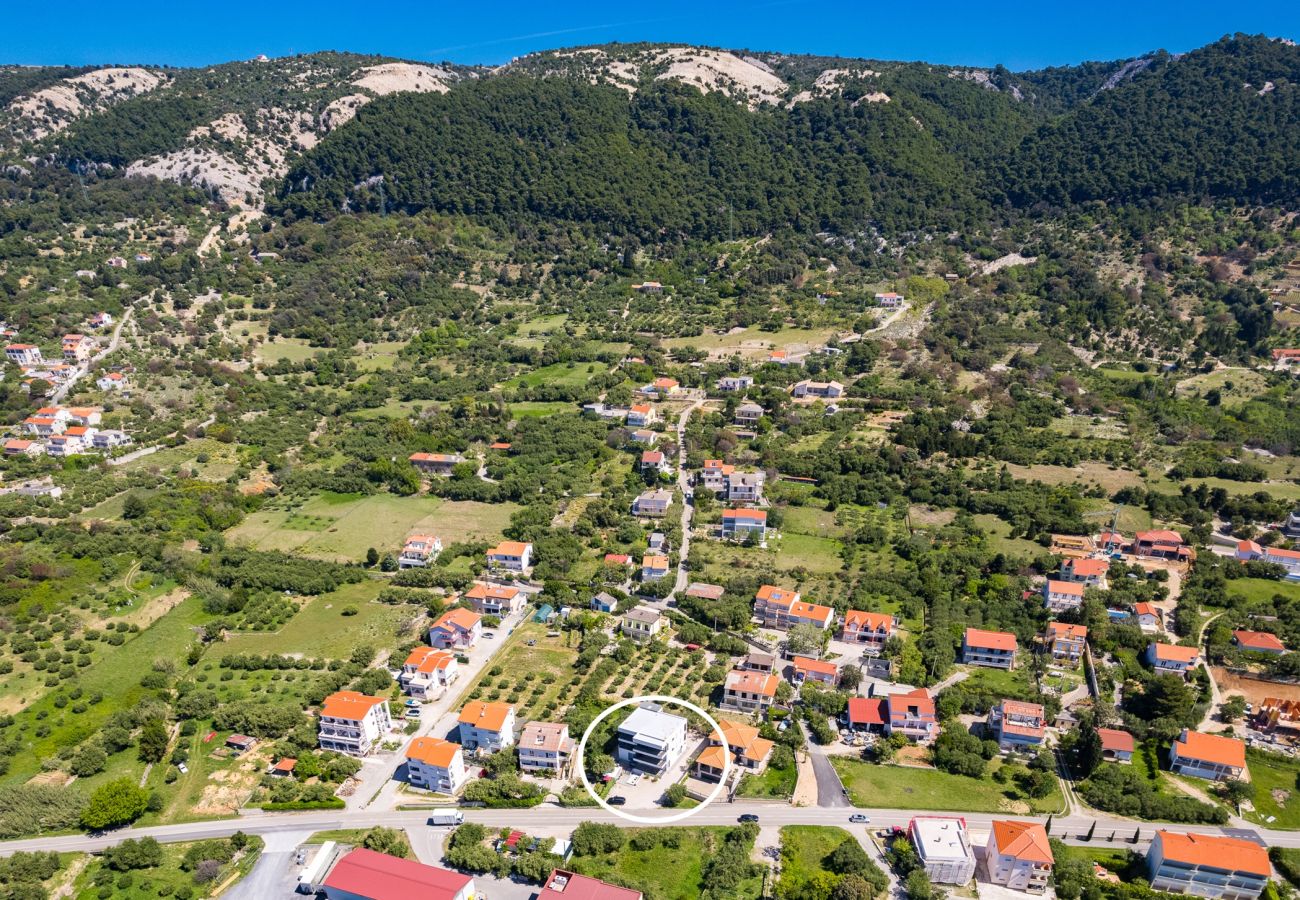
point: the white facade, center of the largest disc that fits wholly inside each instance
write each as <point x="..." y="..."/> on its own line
<point x="353" y="723"/>
<point x="944" y="848"/>
<point x="651" y="740"/>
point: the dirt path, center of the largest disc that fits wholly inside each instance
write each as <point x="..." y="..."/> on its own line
<point x="208" y="240"/>
<point x="805" y="787"/>
<point x="67" y="879"/>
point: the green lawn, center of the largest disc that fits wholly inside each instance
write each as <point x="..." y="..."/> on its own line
<point x="291" y="349"/>
<point x="804" y="849"/>
<point x="816" y="554"/>
<point x="1276" y="789"/>
<point x="540" y="408"/>
<point x="320" y="629"/>
<point x="668" y="873"/>
<point x="1279" y="490"/>
<point x="1253" y="589"/>
<point x="903" y="787"/>
<point x="773" y="782"/>
<point x="341" y="527"/>
<point x="998" y="530"/>
<point x="567" y="374"/>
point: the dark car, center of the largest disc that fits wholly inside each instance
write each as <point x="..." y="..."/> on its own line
<point x="616" y="801"/>
<point x="749" y="817"/>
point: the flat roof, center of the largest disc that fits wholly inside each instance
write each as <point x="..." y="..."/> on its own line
<point x="649" y="720"/>
<point x="941" y="838"/>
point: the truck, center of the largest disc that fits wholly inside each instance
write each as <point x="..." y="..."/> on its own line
<point x="449" y="817"/>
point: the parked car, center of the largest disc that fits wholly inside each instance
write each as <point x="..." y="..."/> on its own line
<point x="616" y="801"/>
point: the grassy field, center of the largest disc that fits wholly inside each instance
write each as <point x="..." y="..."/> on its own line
<point x="754" y="341"/>
<point x="541" y="408"/>
<point x="816" y="554"/>
<point x="294" y="350"/>
<point x="1252" y="589"/>
<point x="804" y="849"/>
<point x="1279" y="490"/>
<point x="1277" y="800"/>
<point x="997" y="531"/>
<point x="1087" y="472"/>
<point x="568" y="374"/>
<point x="379" y="357"/>
<point x="1235" y="386"/>
<point x="159" y="881"/>
<point x="320" y="628"/>
<point x="668" y="873"/>
<point x="773" y="782"/>
<point x="901" y="787"/>
<point x="341" y="527"/>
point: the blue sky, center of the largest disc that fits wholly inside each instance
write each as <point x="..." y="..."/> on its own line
<point x="974" y="32"/>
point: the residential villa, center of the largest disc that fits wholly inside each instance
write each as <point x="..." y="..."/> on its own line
<point x="780" y="608"/>
<point x="994" y="649"/>
<point x="546" y="749"/>
<point x="1258" y="642"/>
<point x="1089" y="571"/>
<point x="1172" y="658"/>
<point x="660" y="387"/>
<point x="487" y="726"/>
<point x="870" y="628"/>
<point x="739" y="524"/>
<point x="1208" y="865"/>
<point x="1148" y="616"/>
<point x="714" y="474"/>
<point x="643" y="623"/>
<point x="113" y="381"/>
<point x="77" y="348"/>
<point x="352" y="723"/>
<point x="1116" y="745"/>
<point x="749" y="752"/>
<point x="748" y="414"/>
<point x="1019" y="856"/>
<point x="827" y="390"/>
<point x="110" y="438"/>
<point x="652" y="504"/>
<point x="1208" y="756"/>
<point x="944" y="848"/>
<point x="651" y="740"/>
<point x="912" y="714"/>
<point x="640" y="415"/>
<point x="436" y="765"/>
<point x="735" y="383"/>
<point x="1065" y="642"/>
<point x="24" y="354"/>
<point x="1060" y="596"/>
<point x="654" y="461"/>
<point x="749" y="691"/>
<point x="456" y="629"/>
<point x="436" y="463"/>
<point x="654" y="566"/>
<point x="496" y="599"/>
<point x="745" y="487"/>
<point x="427" y="671"/>
<point x="418" y="551"/>
<point x="19" y="447"/>
<point x="889" y="300"/>
<point x="1018" y="726"/>
<point x="1162" y="544"/>
<point x="514" y="556"/>
<point x="820" y="671"/>
<point x="1249" y="551"/>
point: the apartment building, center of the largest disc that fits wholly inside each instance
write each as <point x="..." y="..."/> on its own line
<point x="418" y="551"/>
<point x="652" y="504"/>
<point x="1172" y="659"/>
<point x="1018" y="726"/>
<point x="1089" y="571"/>
<point x="456" y="629"/>
<point x="496" y="599"/>
<point x="651" y="740"/>
<point x="943" y="846"/>
<point x="820" y="671"/>
<point x="714" y="474"/>
<point x="1019" y="856"/>
<point x="745" y="487"/>
<point x="545" y="749"/>
<point x="993" y="649"/>
<point x="778" y="607"/>
<point x="749" y="691"/>
<point x="1059" y="596"/>
<point x="739" y="524"/>
<point x="487" y="726"/>
<point x="912" y="714"/>
<point x="1065" y="642"/>
<point x="427" y="672"/>
<point x="514" y="556"/>
<point x="1209" y="756"/>
<point x="352" y="723"/>
<point x="747" y="414"/>
<point x="436" y="765"/>
<point x="1205" y="865"/>
<point x="871" y="629"/>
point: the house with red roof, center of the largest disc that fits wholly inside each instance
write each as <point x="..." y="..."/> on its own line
<point x="1208" y="865"/>
<point x="352" y="723"/>
<point x="870" y="714"/>
<point x="1250" y="551"/>
<point x="456" y="629"/>
<point x="436" y="765"/>
<point x="1018" y="726"/>
<point x="1116" y="745"/>
<point x="427" y="671"/>
<point x="641" y="415"/>
<point x="739" y="524"/>
<point x="496" y="599"/>
<point x="564" y="885"/>
<point x="1148" y="615"/>
<point x="436" y="463"/>
<point x="1088" y="571"/>
<point x="1059" y="596"/>
<point x="993" y="649"/>
<point x="1019" y="856"/>
<point x="24" y="354"/>
<point x="1209" y="756"/>
<point x="513" y="556"/>
<point x="418" y="551"/>
<point x="871" y="629"/>
<point x="805" y="668"/>
<point x="1162" y="543"/>
<point x="1258" y="642"/>
<point x="749" y="753"/>
<point x="912" y="714"/>
<point x="749" y="691"/>
<point x="363" y="874"/>
<point x="486" y="726"/>
<point x="1172" y="659"/>
<point x="20" y="447"/>
<point x="781" y="608"/>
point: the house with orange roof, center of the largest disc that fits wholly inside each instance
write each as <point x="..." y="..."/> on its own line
<point x="545" y="748"/>
<point x="1258" y="642"/>
<point x="24" y="354"/>
<point x="1162" y="543"/>
<point x="913" y="715"/>
<point x="352" y="723"/>
<point x="456" y="629"/>
<point x="77" y="348"/>
<point x="436" y="765"/>
<point x="65" y="444"/>
<point x="714" y="474"/>
<point x="514" y="556"/>
<point x="1018" y="726"/>
<point x="641" y="415"/>
<point x="993" y="649"/>
<point x="805" y="668"/>
<point x="1172" y="659"/>
<point x="436" y="463"/>
<point x="44" y="426"/>
<point x="749" y="752"/>
<point x="1249" y="551"/>
<point x="487" y="726"/>
<point x="782" y="358"/>
<point x="85" y="415"/>
<point x="1089" y="571"/>
<point x="749" y="691"/>
<point x="1209" y="756"/>
<point x="870" y="628"/>
<point x="1148" y="616"/>
<point x="643" y="623"/>
<point x="1112" y="542"/>
<point x="778" y="607"/>
<point x="739" y="524"/>
<point x="1019" y="856"/>
<point x="418" y="551"/>
<point x="19" y="447"/>
<point x="1208" y="865"/>
<point x="427" y="671"/>
<point x="1116" y="745"/>
<point x="1066" y="642"/>
<point x="112" y="381"/>
<point x="496" y="599"/>
<point x="660" y="387"/>
<point x="1059" y="596"/>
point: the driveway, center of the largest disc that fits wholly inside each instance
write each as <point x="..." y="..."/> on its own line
<point x="830" y="790"/>
<point x="276" y="871"/>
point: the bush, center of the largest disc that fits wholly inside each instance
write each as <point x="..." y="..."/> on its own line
<point x="119" y="802"/>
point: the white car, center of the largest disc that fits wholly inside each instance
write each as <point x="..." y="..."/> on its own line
<point x="633" y="779"/>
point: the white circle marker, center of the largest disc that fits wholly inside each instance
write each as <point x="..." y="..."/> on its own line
<point x="653" y="820"/>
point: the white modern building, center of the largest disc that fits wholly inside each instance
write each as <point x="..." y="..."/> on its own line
<point x="436" y="765"/>
<point x="943" y="846"/>
<point x="352" y="723"/>
<point x="651" y="740"/>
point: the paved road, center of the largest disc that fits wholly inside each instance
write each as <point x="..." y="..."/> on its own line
<point x="57" y="396"/>
<point x="276" y="870"/>
<point x="1069" y="828"/>
<point x="830" y="790"/>
<point x="688" y="507"/>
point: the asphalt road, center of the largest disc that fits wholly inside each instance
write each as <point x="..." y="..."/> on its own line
<point x="830" y="790"/>
<point x="1069" y="828"/>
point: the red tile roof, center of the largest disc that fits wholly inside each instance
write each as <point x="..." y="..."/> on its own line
<point x="379" y="876"/>
<point x="856" y="619"/>
<point x="1026" y="841"/>
<point x="990" y="640"/>
<point x="1116" y="741"/>
<point x="349" y="705"/>
<point x="1211" y="748"/>
<point x="868" y="711"/>
<point x="756" y="515"/>
<point x="562" y="885"/>
<point x="1175" y="653"/>
<point x="1088" y="568"/>
<point x="433" y="751"/>
<point x="1259" y="640"/>
<point x="1069" y="588"/>
<point x="1217" y="852"/>
<point x="819" y="666"/>
<point x="1066" y="631"/>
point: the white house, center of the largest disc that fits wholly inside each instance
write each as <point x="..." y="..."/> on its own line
<point x="641" y="415"/>
<point x="1019" y="856"/>
<point x="828" y="390"/>
<point x="651" y="740"/>
<point x="1059" y="596"/>
<point x="487" y="726"/>
<point x="496" y="599"/>
<point x="1210" y="756"/>
<point x="652" y="504"/>
<point x="110" y="438"/>
<point x="112" y="381"/>
<point x="418" y="551"/>
<point x="739" y="524"/>
<point x="516" y="556"/>
<point x="456" y="629"/>
<point x="352" y="723"/>
<point x="735" y="383"/>
<point x="24" y="354"/>
<point x="943" y="846"/>
<point x="745" y="487"/>
<point x="427" y="671"/>
<point x="1172" y="658"/>
<point x="436" y="765"/>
